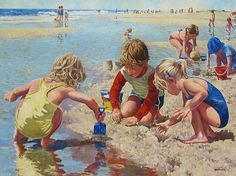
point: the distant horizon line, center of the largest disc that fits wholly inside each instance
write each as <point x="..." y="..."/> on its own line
<point x="107" y="9"/>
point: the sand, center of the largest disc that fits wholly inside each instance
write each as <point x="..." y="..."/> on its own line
<point x="164" y="152"/>
<point x="146" y="147"/>
<point x="178" y="19"/>
<point x="29" y="33"/>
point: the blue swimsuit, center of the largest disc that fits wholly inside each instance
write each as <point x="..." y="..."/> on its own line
<point x="216" y="100"/>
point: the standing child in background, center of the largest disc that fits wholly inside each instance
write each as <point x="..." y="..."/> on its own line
<point x="143" y="103"/>
<point x="66" y="18"/>
<point x="127" y="34"/>
<point x="204" y="104"/>
<point x="228" y="27"/>
<point x="38" y="114"/>
<point x="212" y="19"/>
<point x="211" y="23"/>
<point x="58" y="14"/>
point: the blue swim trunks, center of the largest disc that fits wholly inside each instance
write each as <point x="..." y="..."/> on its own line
<point x="159" y="102"/>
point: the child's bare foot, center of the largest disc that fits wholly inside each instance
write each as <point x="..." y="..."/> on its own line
<point x="195" y="139"/>
<point x="45" y="142"/>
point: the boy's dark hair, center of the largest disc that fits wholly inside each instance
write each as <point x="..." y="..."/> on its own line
<point x="134" y="51"/>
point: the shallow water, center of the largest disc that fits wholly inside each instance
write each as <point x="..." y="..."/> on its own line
<point x="74" y="157"/>
<point x="22" y="60"/>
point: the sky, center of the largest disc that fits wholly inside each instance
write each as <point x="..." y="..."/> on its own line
<point x="122" y="4"/>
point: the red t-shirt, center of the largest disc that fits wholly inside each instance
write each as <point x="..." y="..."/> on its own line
<point x="149" y="102"/>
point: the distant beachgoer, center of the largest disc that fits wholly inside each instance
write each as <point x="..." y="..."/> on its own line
<point x="58" y="14"/>
<point x="204" y="104"/>
<point x="127" y="33"/>
<point x="38" y="114"/>
<point x="62" y="14"/>
<point x="211" y="23"/>
<point x="212" y="19"/>
<point x="66" y="18"/>
<point x="228" y="27"/>
<point x="144" y="102"/>
<point x="225" y="54"/>
<point x="185" y="40"/>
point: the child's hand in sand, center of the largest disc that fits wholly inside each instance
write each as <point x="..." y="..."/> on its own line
<point x="130" y="121"/>
<point x="181" y="113"/>
<point x="10" y="96"/>
<point x="116" y="115"/>
<point x="162" y="127"/>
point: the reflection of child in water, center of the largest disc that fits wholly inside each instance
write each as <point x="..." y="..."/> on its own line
<point x="127" y="34"/>
<point x="37" y="162"/>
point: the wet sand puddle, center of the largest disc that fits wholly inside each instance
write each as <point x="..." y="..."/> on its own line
<point x="73" y="157"/>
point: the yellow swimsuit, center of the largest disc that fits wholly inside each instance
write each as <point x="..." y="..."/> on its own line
<point x="34" y="118"/>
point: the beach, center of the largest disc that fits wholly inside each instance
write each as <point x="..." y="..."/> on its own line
<point x="199" y="18"/>
<point x="145" y="146"/>
<point x="164" y="152"/>
<point x="168" y="155"/>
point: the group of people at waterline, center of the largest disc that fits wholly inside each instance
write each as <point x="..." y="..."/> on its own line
<point x="38" y="114"/>
<point x="62" y="15"/>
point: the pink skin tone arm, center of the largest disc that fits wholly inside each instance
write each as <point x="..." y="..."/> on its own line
<point x="199" y="93"/>
<point x="80" y="97"/>
<point x="17" y="92"/>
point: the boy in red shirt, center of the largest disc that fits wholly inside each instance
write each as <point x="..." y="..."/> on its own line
<point x="144" y="102"/>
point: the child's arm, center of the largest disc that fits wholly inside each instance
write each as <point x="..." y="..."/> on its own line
<point x="185" y="49"/>
<point x="199" y="94"/>
<point x="17" y="92"/>
<point x="163" y="127"/>
<point x="80" y="97"/>
<point x="116" y="88"/>
<point x="195" y="47"/>
<point x="229" y="62"/>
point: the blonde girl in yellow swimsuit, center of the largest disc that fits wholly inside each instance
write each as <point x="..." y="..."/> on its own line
<point x="38" y="114"/>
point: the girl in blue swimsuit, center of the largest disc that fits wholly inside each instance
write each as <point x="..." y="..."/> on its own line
<point x="204" y="104"/>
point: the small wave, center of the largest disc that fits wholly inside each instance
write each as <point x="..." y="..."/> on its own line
<point x="53" y="12"/>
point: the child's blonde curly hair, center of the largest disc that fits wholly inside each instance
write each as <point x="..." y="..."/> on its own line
<point x="134" y="51"/>
<point x="169" y="68"/>
<point x="68" y="69"/>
